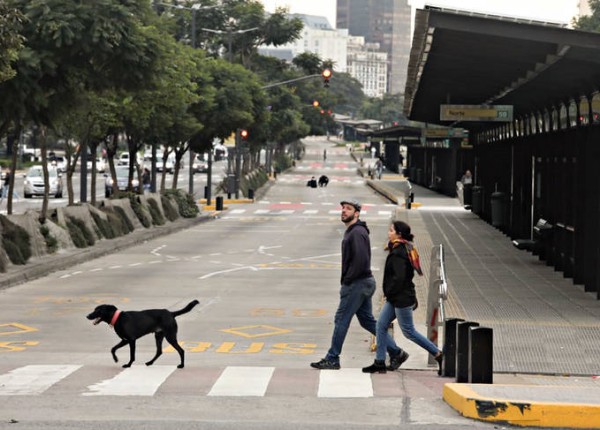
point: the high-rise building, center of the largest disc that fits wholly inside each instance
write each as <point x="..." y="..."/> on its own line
<point x="386" y="22"/>
<point x="317" y="37"/>
<point x="368" y="65"/>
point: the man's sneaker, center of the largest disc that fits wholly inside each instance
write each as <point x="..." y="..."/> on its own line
<point x="396" y="362"/>
<point x="325" y="364"/>
<point x="377" y="367"/>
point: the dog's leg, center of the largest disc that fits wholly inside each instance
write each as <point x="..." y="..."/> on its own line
<point x="159" y="336"/>
<point x="114" y="349"/>
<point x="131" y="353"/>
<point x="172" y="339"/>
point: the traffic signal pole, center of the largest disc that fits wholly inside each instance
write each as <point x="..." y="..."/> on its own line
<point x="238" y="162"/>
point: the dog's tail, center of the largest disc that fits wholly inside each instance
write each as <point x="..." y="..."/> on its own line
<point x="185" y="310"/>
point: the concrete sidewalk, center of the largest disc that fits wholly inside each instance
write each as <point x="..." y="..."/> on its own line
<point x="546" y="330"/>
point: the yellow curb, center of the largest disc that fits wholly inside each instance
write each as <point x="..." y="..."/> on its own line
<point x="413" y="204"/>
<point x="470" y="404"/>
<point x="228" y="201"/>
<point x="213" y="208"/>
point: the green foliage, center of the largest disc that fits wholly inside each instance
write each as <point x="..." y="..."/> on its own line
<point x="104" y="226"/>
<point x="591" y="22"/>
<point x="51" y="241"/>
<point x="16" y="241"/>
<point x="81" y="235"/>
<point x="170" y="212"/>
<point x="253" y="181"/>
<point x="389" y="109"/>
<point x="125" y="221"/>
<point x="157" y="217"/>
<point x="185" y="202"/>
<point x="139" y="209"/>
<point x="282" y="162"/>
<point x="10" y="40"/>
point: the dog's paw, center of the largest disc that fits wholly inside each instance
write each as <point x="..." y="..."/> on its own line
<point x="180" y="366"/>
<point x="125" y="366"/>
<point x="150" y="363"/>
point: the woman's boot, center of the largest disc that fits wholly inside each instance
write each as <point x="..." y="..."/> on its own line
<point x="377" y="367"/>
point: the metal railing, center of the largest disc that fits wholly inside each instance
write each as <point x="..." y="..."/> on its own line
<point x="437" y="295"/>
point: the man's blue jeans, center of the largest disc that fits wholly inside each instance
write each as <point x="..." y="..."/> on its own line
<point x="405" y="319"/>
<point x="355" y="299"/>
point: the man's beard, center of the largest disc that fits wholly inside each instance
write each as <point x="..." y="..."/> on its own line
<point x="347" y="219"/>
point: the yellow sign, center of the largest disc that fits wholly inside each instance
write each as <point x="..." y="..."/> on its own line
<point x="497" y="113"/>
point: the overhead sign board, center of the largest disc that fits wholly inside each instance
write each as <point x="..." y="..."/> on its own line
<point x="495" y="113"/>
<point x="445" y="133"/>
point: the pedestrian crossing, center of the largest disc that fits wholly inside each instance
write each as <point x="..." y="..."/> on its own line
<point x="231" y="381"/>
<point x="267" y="208"/>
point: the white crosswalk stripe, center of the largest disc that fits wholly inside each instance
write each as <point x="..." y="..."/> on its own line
<point x="345" y="383"/>
<point x="243" y="381"/>
<point x="135" y="381"/>
<point x="33" y="379"/>
<point x="232" y="381"/>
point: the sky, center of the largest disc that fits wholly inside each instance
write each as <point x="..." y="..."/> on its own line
<point x="544" y="10"/>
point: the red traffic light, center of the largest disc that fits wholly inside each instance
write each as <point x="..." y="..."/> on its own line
<point x="326" y="76"/>
<point x="244" y="134"/>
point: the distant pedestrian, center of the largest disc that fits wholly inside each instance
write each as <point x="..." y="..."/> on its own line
<point x="324" y="155"/>
<point x="400" y="301"/>
<point x="312" y="182"/>
<point x="5" y="186"/>
<point x="379" y="168"/>
<point x="146" y="179"/>
<point x="358" y="284"/>
<point x="467" y="178"/>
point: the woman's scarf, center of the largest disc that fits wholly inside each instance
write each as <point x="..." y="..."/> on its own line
<point x="411" y="250"/>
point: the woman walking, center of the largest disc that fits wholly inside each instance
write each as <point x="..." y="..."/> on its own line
<point x="400" y="300"/>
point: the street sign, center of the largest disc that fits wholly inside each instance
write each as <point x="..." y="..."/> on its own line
<point x="497" y="113"/>
<point x="445" y="133"/>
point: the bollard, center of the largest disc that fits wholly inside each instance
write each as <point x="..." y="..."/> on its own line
<point x="449" y="368"/>
<point x="251" y="194"/>
<point x="481" y="355"/>
<point x="412" y="197"/>
<point x="462" y="350"/>
<point x="407" y="203"/>
<point x="219" y="203"/>
<point x="206" y="192"/>
<point x="228" y="196"/>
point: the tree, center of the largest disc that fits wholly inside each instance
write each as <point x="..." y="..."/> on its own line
<point x="10" y="40"/>
<point x="589" y="22"/>
<point x="388" y="109"/>
<point x="69" y="45"/>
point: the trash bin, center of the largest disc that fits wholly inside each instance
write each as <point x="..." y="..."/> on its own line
<point x="219" y="203"/>
<point x="498" y="202"/>
<point x="419" y="177"/>
<point x="467" y="194"/>
<point x="543" y="233"/>
<point x="477" y="200"/>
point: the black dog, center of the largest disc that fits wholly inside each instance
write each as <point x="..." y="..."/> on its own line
<point x="323" y="181"/>
<point x="132" y="325"/>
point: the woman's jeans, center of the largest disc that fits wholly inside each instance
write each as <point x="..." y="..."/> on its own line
<point x="405" y="319"/>
<point x="355" y="299"/>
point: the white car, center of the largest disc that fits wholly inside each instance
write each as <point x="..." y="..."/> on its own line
<point x="122" y="181"/>
<point x="34" y="182"/>
<point x="100" y="165"/>
<point x="60" y="163"/>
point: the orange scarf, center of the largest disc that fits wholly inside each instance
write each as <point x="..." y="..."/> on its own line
<point x="411" y="250"/>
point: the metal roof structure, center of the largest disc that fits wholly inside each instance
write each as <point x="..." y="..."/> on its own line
<point x="470" y="59"/>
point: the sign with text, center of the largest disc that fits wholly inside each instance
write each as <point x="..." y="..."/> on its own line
<point x="497" y="113"/>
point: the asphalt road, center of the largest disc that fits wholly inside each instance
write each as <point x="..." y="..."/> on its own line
<point x="267" y="277"/>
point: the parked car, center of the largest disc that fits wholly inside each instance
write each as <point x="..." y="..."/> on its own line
<point x="34" y="182"/>
<point x="200" y="164"/>
<point x="60" y="163"/>
<point x="100" y="165"/>
<point x="168" y="165"/>
<point x="122" y="181"/>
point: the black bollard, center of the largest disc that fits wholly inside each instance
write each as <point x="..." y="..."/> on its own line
<point x="481" y="355"/>
<point x="251" y="194"/>
<point x="462" y="350"/>
<point x="219" y="203"/>
<point x="449" y="367"/>
<point x="206" y="192"/>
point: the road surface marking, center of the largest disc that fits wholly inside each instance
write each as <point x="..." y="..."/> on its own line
<point x="345" y="383"/>
<point x="34" y="379"/>
<point x="136" y="381"/>
<point x="243" y="381"/>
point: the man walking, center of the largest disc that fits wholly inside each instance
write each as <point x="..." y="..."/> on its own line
<point x="358" y="286"/>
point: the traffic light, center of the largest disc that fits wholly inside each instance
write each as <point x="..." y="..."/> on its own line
<point x="244" y="134"/>
<point x="316" y="103"/>
<point x="326" y="76"/>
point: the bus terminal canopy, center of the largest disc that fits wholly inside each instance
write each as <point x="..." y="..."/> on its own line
<point x="462" y="58"/>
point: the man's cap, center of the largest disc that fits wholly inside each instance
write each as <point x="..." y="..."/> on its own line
<point x="352" y="202"/>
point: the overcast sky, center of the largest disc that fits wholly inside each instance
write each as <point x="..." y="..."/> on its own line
<point x="544" y="10"/>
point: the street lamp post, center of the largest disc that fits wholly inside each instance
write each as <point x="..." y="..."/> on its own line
<point x="230" y="32"/>
<point x="194" y="8"/>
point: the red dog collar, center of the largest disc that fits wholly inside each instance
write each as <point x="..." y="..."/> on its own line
<point x="115" y="317"/>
